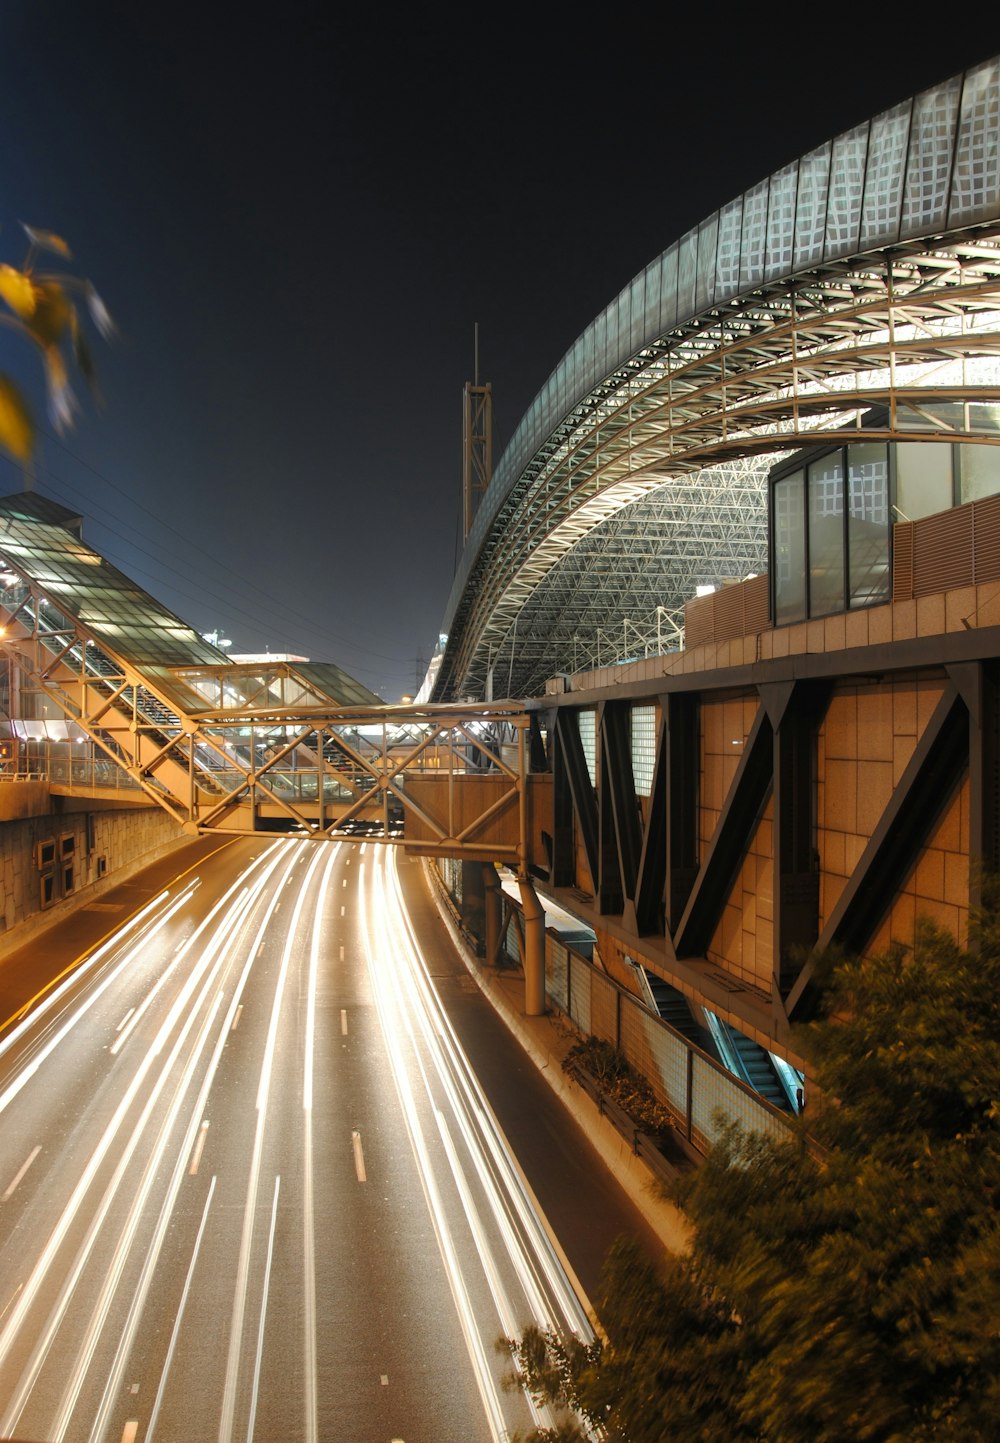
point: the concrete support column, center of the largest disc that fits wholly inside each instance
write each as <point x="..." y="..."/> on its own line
<point x="493" y="908"/>
<point x="534" y="950"/>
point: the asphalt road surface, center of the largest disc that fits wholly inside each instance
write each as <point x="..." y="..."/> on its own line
<point x="251" y="1186"/>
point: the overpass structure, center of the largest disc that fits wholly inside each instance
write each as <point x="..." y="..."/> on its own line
<point x="228" y="748"/>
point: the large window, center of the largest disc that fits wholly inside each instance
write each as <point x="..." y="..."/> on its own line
<point x="830" y="528"/>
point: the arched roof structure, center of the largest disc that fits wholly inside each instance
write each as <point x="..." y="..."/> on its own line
<point x="866" y="273"/>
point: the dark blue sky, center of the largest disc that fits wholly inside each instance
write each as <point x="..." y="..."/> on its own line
<point x="296" y="220"/>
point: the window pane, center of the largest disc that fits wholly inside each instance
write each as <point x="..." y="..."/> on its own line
<point x="868" y="523"/>
<point x="789" y="564"/>
<point x="979" y="468"/>
<point x="923" y="479"/>
<point x="826" y="535"/>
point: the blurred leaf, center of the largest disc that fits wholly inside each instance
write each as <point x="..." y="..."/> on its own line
<point x="62" y="402"/>
<point x="99" y="313"/>
<point x="53" y="313"/>
<point x="46" y="240"/>
<point x="17" y="432"/>
<point x="18" y="291"/>
<point x="84" y="358"/>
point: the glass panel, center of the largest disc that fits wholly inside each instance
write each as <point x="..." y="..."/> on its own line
<point x="847" y="178"/>
<point x="979" y="471"/>
<point x="781" y="222"/>
<point x="727" y="275"/>
<point x="652" y="299"/>
<point x="754" y="236"/>
<point x="687" y="275"/>
<point x="588" y="740"/>
<point x="708" y="246"/>
<point x="868" y="523"/>
<point x="932" y="141"/>
<point x="976" y="179"/>
<point x="810" y="212"/>
<point x="638" y="312"/>
<point x="826" y="535"/>
<point x="923" y="479"/>
<point x="884" y="183"/>
<point x="788" y="566"/>
<point x="643" y="741"/>
<point x="668" y="291"/>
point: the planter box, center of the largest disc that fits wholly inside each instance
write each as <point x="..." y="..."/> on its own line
<point x="650" y="1147"/>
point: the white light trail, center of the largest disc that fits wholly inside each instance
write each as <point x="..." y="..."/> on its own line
<point x="49" y="1254"/>
<point x="227" y="1419"/>
<point x="410" y="1013"/>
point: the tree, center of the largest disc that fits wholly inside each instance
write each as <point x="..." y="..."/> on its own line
<point x="40" y="308"/>
<point x="844" y="1286"/>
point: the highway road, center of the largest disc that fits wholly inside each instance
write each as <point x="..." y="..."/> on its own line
<point x="250" y="1187"/>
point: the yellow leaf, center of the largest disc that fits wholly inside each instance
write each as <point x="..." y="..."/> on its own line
<point x="18" y="291"/>
<point x="17" y="433"/>
<point x="46" y="240"/>
<point x="52" y="313"/>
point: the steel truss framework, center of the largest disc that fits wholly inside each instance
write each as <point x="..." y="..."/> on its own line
<point x="227" y="748"/>
<point x="905" y="328"/>
<point x="664" y="895"/>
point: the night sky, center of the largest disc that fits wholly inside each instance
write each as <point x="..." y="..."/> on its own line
<point x="296" y="220"/>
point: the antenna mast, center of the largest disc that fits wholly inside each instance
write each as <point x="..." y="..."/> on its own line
<point x="477" y="441"/>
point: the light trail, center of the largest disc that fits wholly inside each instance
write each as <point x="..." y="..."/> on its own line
<point x="421" y="1042"/>
<point x="48" y="1257"/>
<point x="229" y="1395"/>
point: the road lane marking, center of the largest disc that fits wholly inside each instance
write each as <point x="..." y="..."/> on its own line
<point x="122" y="1023"/>
<point x="310" y="1364"/>
<point x="177" y="1320"/>
<point x="343" y="911"/>
<point x="263" y="1312"/>
<point x="344" y="883"/>
<point x="231" y="1375"/>
<point x="24" y="1168"/>
<point x="341" y="951"/>
<point x="385" y="1380"/>
<point x="359" y="1156"/>
<point x="199" y="1148"/>
<point x="343" y="1021"/>
<point x="236" y="1018"/>
<point x="130" y="1430"/>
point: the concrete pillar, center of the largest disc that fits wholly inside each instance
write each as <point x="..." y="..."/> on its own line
<point x="473" y="902"/>
<point x="534" y="950"/>
<point x="493" y="908"/>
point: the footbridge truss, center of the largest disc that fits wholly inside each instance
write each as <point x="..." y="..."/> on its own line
<point x="233" y="748"/>
<point x="864" y="275"/>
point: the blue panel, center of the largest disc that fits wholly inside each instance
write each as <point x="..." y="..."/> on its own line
<point x="847" y="180"/>
<point x="588" y="364"/>
<point x="622" y="311"/>
<point x="880" y="211"/>
<point x="687" y="275"/>
<point x="933" y="130"/>
<point x="668" y="294"/>
<point x="754" y="236"/>
<point x="781" y="222"/>
<point x="651" y="314"/>
<point x="975" y="191"/>
<point x="810" y="207"/>
<point x="638" y="307"/>
<point x="727" y="265"/>
<point x="708" y="245"/>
